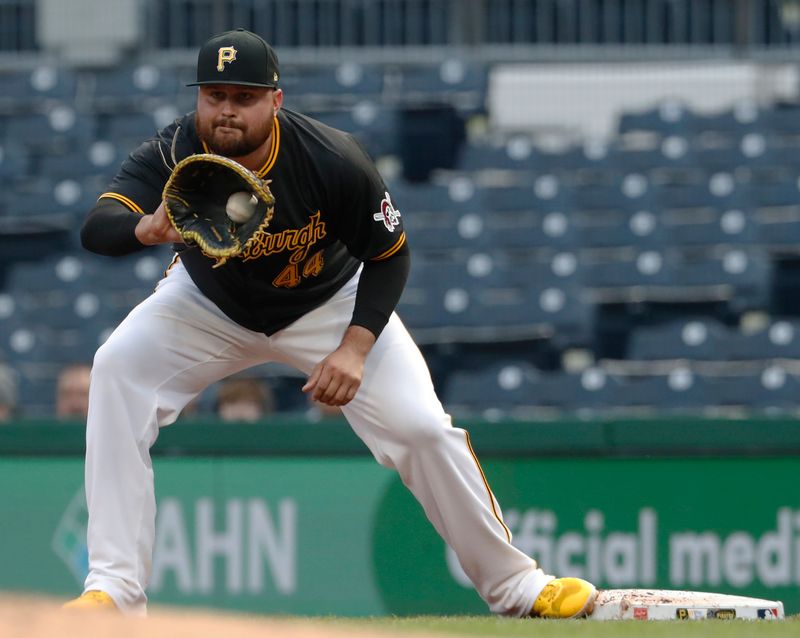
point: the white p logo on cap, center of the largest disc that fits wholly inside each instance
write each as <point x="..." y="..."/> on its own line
<point x="225" y="55"/>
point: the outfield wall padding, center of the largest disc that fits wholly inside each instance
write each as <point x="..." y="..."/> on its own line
<point x="297" y="518"/>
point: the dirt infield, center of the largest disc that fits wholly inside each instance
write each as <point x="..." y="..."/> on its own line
<point x="22" y="617"/>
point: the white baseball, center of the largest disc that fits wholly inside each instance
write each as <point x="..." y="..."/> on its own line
<point x="241" y="206"/>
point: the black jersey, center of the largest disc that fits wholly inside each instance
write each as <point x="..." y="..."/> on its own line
<point x="332" y="211"/>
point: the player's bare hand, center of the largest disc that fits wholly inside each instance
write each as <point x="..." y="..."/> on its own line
<point x="336" y="379"/>
<point x="157" y="229"/>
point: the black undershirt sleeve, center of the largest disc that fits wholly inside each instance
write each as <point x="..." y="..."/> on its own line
<point x="379" y="289"/>
<point x="109" y="229"/>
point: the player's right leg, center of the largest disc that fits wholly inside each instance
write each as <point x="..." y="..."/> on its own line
<point x="168" y="349"/>
<point x="397" y="414"/>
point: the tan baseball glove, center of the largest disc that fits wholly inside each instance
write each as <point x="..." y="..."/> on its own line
<point x="199" y="203"/>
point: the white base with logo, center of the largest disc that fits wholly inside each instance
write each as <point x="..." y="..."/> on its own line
<point x="665" y="604"/>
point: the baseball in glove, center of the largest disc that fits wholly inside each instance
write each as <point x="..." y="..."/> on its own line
<point x="202" y="198"/>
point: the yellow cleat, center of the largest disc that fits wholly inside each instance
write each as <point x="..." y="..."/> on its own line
<point x="565" y="598"/>
<point x="92" y="600"/>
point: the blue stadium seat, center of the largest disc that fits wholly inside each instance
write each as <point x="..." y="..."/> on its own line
<point x="371" y="124"/>
<point x="130" y="88"/>
<point x="460" y="194"/>
<point x="718" y="158"/>
<point x="516" y="154"/>
<point x="680" y="391"/>
<point x="128" y="129"/>
<point x="63" y="197"/>
<point x="74" y="164"/>
<point x="310" y="88"/>
<point x="574" y="159"/>
<point x="469" y="271"/>
<point x="642" y="229"/>
<point x="630" y="192"/>
<point x="671" y="152"/>
<point x="781" y="153"/>
<point x="37" y="392"/>
<point x="695" y="338"/>
<point x="38" y="203"/>
<point x="780" y="120"/>
<point x="434" y="309"/>
<point x="61" y="330"/>
<point x="500" y="387"/>
<point x="778" y="340"/>
<point x="761" y="155"/>
<point x="734" y="122"/>
<point x="137" y="272"/>
<point x="778" y="227"/>
<point x="741" y="276"/>
<point x="526" y="269"/>
<point x="508" y="229"/>
<point x="556" y="313"/>
<point x="543" y="193"/>
<point x="441" y="230"/>
<point x="564" y="309"/>
<point x="711" y="226"/>
<point x="722" y="190"/>
<point x="638" y="269"/>
<point x="773" y="390"/>
<point x="23" y="90"/>
<point x="25" y="343"/>
<point x="461" y="308"/>
<point x="510" y="387"/>
<point x="780" y="194"/>
<point x="511" y="298"/>
<point x="590" y="391"/>
<point x="59" y="129"/>
<point x="52" y="274"/>
<point x="12" y="317"/>
<point x="780" y="391"/>
<point x="15" y="160"/>
<point x="454" y="81"/>
<point x="99" y="159"/>
<point x="668" y="118"/>
<point x="737" y="277"/>
<point x="439" y="216"/>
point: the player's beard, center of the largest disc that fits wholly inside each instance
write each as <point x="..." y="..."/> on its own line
<point x="250" y="139"/>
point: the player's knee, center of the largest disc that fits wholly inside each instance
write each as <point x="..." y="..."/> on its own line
<point x="421" y="428"/>
<point x="113" y="358"/>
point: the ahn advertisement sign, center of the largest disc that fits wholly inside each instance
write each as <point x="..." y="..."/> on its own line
<point x="343" y="536"/>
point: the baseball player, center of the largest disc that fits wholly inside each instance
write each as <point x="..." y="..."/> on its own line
<point x="318" y="293"/>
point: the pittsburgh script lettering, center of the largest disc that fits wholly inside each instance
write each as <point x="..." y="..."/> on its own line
<point x="298" y="241"/>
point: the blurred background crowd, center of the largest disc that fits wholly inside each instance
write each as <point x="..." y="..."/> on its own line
<point x="601" y="196"/>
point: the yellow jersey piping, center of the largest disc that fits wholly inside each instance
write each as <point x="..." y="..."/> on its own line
<point x="125" y="200"/>
<point x="273" y="154"/>
<point x="492" y="500"/>
<point x="273" y="150"/>
<point x="397" y="246"/>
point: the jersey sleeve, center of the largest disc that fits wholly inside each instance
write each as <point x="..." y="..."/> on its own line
<point x="369" y="224"/>
<point x="140" y="180"/>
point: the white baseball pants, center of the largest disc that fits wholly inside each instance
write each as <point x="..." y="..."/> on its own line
<point x="177" y="342"/>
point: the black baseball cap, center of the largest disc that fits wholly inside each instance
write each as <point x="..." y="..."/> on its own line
<point x="237" y="57"/>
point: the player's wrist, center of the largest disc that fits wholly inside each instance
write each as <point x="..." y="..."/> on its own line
<point x="140" y="231"/>
<point x="144" y="231"/>
<point x="358" y="339"/>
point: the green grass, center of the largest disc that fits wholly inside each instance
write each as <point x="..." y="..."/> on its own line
<point x="503" y="627"/>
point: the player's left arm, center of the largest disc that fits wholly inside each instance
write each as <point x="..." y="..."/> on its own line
<point x="372" y="229"/>
<point x="336" y="379"/>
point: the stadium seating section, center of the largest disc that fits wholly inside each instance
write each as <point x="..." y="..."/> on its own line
<point x="654" y="272"/>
